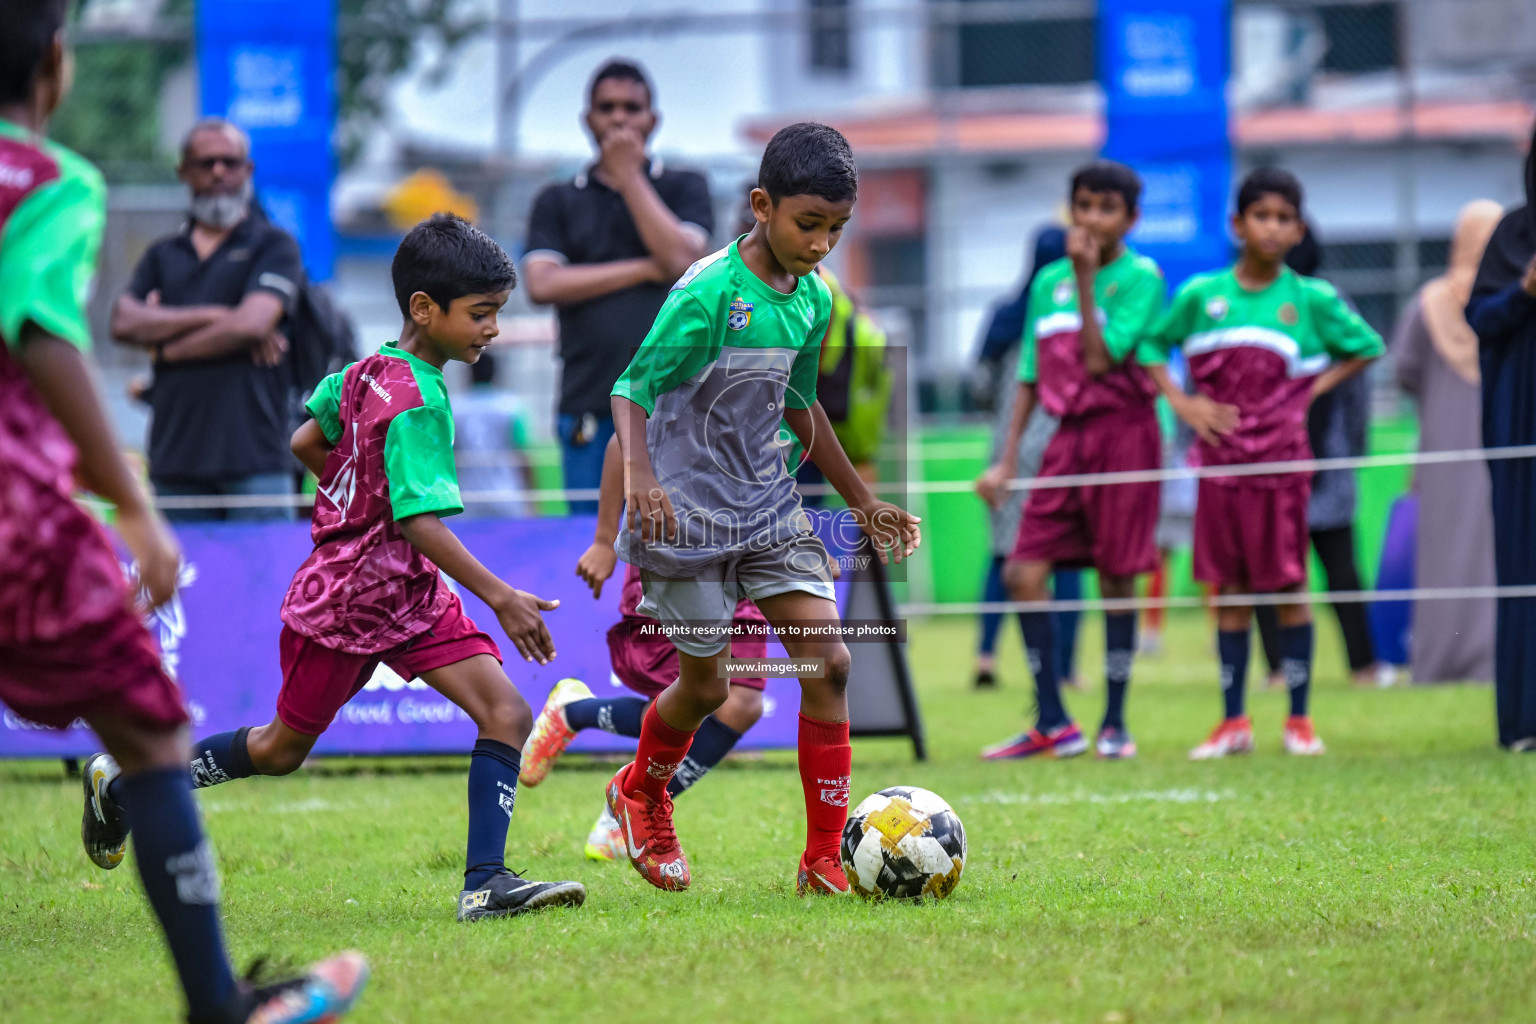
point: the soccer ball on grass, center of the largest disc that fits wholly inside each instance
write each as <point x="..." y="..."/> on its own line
<point x="903" y="843"/>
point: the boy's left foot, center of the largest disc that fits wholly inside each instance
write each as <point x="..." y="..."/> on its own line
<point x="1115" y="744"/>
<point x="1299" y="737"/>
<point x="650" y="841"/>
<point x="824" y="875"/>
<point x="551" y="733"/>
<point x="507" y="894"/>
<point x="605" y="841"/>
<point x="103" y="827"/>
<point x="1063" y="741"/>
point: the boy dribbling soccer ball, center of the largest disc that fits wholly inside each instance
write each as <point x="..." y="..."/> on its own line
<point x="712" y="513"/>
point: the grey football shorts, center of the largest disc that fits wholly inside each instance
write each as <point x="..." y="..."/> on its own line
<point x="702" y="608"/>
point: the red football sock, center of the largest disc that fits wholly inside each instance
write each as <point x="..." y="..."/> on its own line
<point x="826" y="758"/>
<point x="661" y="750"/>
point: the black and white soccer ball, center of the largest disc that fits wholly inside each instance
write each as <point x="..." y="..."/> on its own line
<point x="903" y="843"/>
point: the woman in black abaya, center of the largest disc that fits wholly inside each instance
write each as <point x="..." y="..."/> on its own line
<point x="1502" y="312"/>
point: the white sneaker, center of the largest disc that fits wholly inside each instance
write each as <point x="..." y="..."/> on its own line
<point x="606" y="840"/>
<point x="551" y="732"/>
<point x="1232" y="736"/>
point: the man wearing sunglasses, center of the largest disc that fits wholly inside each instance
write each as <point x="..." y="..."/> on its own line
<point x="604" y="249"/>
<point x="209" y="303"/>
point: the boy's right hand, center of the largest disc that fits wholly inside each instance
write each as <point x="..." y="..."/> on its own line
<point x="519" y="616"/>
<point x="648" y="509"/>
<point x="1083" y="251"/>
<point x="154" y="550"/>
<point x="992" y="485"/>
<point x="596" y="565"/>
<point x="1209" y="419"/>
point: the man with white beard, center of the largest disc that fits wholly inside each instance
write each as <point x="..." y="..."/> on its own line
<point x="210" y="302"/>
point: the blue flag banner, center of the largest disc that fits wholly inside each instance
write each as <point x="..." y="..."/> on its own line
<point x="1164" y="66"/>
<point x="270" y="67"/>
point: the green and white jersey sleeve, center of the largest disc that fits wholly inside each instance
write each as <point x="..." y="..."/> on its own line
<point x="325" y="406"/>
<point x="681" y="342"/>
<point x="1341" y="332"/>
<point x="418" y="458"/>
<point x="48" y="250"/>
<point x="725" y="358"/>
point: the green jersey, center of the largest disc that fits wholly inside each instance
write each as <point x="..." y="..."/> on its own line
<point x="1260" y="351"/>
<point x="1128" y="294"/>
<point x="724" y="359"/>
<point x="365" y="589"/>
<point x="57" y="573"/>
<point x="53" y="205"/>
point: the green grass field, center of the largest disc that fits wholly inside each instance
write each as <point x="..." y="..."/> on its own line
<point x="1393" y="879"/>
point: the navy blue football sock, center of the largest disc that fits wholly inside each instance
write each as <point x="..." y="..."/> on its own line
<point x="1119" y="651"/>
<point x="182" y="883"/>
<point x="711" y="743"/>
<point x="1232" y="649"/>
<point x="220" y="758"/>
<point x="618" y="715"/>
<point x="1040" y="646"/>
<point x="493" y="771"/>
<point x="1296" y="664"/>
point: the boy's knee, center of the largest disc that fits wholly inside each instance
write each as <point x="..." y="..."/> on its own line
<point x="276" y="755"/>
<point x="509" y="719"/>
<point x="839" y="663"/>
<point x="742" y="709"/>
<point x="1025" y="580"/>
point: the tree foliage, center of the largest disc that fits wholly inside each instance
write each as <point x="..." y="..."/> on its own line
<point x="113" y="114"/>
<point x="378" y="41"/>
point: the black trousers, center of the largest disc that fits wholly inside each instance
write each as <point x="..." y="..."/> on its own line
<point x="1336" y="550"/>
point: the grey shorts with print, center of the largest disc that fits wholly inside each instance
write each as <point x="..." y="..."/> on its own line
<point x="697" y="612"/>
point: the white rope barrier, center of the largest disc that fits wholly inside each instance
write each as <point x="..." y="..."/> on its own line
<point x="1136" y="604"/>
<point x="1281" y="468"/>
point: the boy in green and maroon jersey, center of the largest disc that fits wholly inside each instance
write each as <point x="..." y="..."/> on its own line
<point x="1262" y="342"/>
<point x="71" y="646"/>
<point x="1088" y="313"/>
<point x="372" y="591"/>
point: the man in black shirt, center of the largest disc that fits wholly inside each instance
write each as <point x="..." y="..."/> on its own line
<point x="605" y="248"/>
<point x="209" y="302"/>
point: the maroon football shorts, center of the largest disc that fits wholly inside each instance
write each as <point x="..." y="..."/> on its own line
<point x="1108" y="527"/>
<point x="108" y="669"/>
<point x="1252" y="537"/>
<point x="318" y="680"/>
<point x="645" y="661"/>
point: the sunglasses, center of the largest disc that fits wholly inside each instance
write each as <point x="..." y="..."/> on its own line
<point x="208" y="163"/>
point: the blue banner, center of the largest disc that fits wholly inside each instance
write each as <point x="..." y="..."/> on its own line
<point x="219" y="638"/>
<point x="1164" y="66"/>
<point x="270" y="67"/>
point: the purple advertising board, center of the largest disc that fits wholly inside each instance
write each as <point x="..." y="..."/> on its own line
<point x="219" y="639"/>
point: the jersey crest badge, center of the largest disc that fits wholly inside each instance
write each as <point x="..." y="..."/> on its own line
<point x="1114" y="286"/>
<point x="1288" y="314"/>
<point x="740" y="315"/>
<point x="1063" y="293"/>
<point x="1216" y="309"/>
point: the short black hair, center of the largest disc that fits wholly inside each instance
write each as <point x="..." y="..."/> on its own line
<point x="27" y="28"/>
<point x="624" y="71"/>
<point x="808" y="159"/>
<point x="1306" y="256"/>
<point x="446" y="257"/>
<point x="1108" y="176"/>
<point x="1264" y="181"/>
